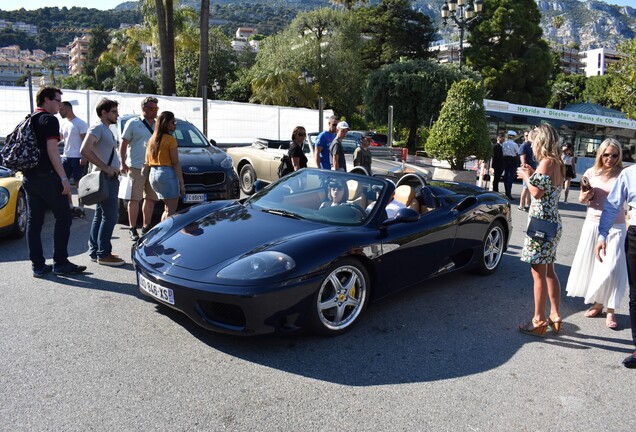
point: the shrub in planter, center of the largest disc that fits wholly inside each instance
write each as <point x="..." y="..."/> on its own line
<point x="461" y="130"/>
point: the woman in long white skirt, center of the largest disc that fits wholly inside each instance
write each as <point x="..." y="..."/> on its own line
<point x="601" y="283"/>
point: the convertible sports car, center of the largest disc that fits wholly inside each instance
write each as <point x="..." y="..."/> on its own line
<point x="312" y="249"/>
<point x="13" y="205"/>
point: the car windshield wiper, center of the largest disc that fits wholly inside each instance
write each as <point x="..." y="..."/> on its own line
<point x="282" y="213"/>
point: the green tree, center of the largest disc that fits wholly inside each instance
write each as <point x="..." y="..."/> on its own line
<point x="324" y="42"/>
<point x="567" y="89"/>
<point x="394" y="31"/>
<point x="100" y="38"/>
<point x="623" y="88"/>
<point x="461" y="130"/>
<point x="597" y="90"/>
<point x="415" y="88"/>
<point x="130" y="79"/>
<point x="507" y="49"/>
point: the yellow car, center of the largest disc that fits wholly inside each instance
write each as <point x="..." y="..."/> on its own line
<point x="13" y="204"/>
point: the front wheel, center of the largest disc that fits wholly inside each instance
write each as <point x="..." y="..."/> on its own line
<point x="247" y="177"/>
<point x="342" y="297"/>
<point x="21" y="214"/>
<point x="493" y="249"/>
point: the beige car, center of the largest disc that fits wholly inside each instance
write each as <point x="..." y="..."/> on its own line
<point x="260" y="161"/>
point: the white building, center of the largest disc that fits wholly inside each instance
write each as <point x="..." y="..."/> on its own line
<point x="597" y="60"/>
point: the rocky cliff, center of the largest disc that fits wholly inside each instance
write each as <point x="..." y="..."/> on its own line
<point x="588" y="24"/>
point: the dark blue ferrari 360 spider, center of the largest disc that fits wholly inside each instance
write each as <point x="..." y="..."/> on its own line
<point x="314" y="248"/>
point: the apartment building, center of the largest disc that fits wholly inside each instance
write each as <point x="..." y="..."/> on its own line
<point x="78" y="50"/>
<point x="597" y="60"/>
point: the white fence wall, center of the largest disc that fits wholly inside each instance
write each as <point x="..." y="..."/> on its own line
<point x="228" y="122"/>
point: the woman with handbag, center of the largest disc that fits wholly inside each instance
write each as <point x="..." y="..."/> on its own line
<point x="600" y="283"/>
<point x="162" y="156"/>
<point x="540" y="245"/>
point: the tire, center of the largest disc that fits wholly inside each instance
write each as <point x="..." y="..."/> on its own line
<point x="247" y="177"/>
<point x="492" y="249"/>
<point x="21" y="214"/>
<point x="341" y="299"/>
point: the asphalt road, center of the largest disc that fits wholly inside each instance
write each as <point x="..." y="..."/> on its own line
<point x="90" y="353"/>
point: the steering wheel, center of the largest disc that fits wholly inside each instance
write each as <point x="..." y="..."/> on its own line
<point x="360" y="212"/>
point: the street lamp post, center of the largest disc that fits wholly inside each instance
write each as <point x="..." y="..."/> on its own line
<point x="462" y="15"/>
<point x="188" y="81"/>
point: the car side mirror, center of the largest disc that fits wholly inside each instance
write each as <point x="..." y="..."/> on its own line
<point x="259" y="185"/>
<point x="403" y="215"/>
<point x="213" y="142"/>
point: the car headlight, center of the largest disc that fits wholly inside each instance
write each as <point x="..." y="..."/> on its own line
<point x="258" y="266"/>
<point x="226" y="163"/>
<point x="4" y="197"/>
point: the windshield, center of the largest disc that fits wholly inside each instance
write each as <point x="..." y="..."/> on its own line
<point x="187" y="134"/>
<point x="330" y="197"/>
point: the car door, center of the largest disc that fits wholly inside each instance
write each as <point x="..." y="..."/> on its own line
<point x="414" y="251"/>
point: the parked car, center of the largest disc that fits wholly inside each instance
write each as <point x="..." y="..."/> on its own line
<point x="282" y="260"/>
<point x="260" y="161"/>
<point x="353" y="140"/>
<point x="13" y="204"/>
<point x="207" y="170"/>
<point x="377" y="139"/>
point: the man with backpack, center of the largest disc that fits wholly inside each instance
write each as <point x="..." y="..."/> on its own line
<point x="47" y="187"/>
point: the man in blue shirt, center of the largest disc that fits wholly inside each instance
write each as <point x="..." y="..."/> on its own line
<point x="624" y="189"/>
<point x="323" y="142"/>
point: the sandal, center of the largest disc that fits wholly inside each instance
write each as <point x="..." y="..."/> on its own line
<point x="610" y="321"/>
<point x="555" y="324"/>
<point x="534" y="328"/>
<point x="594" y="311"/>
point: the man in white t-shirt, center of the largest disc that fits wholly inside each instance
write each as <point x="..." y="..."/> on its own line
<point x="73" y="130"/>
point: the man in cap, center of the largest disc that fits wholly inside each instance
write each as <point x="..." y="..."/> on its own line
<point x="362" y="155"/>
<point x="336" y="150"/>
<point x="511" y="162"/>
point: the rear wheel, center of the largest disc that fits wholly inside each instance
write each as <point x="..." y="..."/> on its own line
<point x="247" y="177"/>
<point x="492" y="250"/>
<point x="20" y="222"/>
<point x="342" y="297"/>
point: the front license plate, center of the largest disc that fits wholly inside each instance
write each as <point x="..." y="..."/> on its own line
<point x="156" y="290"/>
<point x="195" y="198"/>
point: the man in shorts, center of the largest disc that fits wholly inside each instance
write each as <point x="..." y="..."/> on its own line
<point x="132" y="153"/>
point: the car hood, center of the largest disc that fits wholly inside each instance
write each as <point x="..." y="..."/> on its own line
<point x="201" y="156"/>
<point x="227" y="234"/>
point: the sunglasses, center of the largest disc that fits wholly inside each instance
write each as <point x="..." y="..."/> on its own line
<point x="610" y="155"/>
<point x="301" y="134"/>
<point x="336" y="188"/>
<point x="152" y="109"/>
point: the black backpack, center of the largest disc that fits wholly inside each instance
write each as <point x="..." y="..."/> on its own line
<point x="285" y="166"/>
<point x="21" y="150"/>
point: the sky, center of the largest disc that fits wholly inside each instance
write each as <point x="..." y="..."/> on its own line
<point x="110" y="4"/>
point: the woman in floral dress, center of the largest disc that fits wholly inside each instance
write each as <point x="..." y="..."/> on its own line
<point x="544" y="186"/>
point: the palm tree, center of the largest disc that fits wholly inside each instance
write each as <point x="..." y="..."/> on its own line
<point x="203" y="48"/>
<point x="165" y="24"/>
